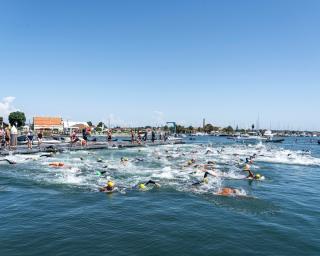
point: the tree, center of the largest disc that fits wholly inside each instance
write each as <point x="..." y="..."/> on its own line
<point x="17" y="118"/>
<point x="89" y="123"/>
<point x="228" y="129"/>
<point x="208" y="128"/>
<point x="100" y="124"/>
<point x="190" y="129"/>
<point x="200" y="129"/>
<point x="180" y="129"/>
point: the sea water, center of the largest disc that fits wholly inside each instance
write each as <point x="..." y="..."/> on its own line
<point x="60" y="211"/>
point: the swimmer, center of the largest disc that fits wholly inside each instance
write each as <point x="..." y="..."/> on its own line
<point x="8" y="161"/>
<point x="249" y="161"/>
<point x="101" y="173"/>
<point x="47" y="155"/>
<point x="228" y="192"/>
<point x="204" y="181"/>
<point x="56" y="164"/>
<point x="124" y="160"/>
<point x="252" y="176"/>
<point x="208" y="151"/>
<point x="109" y="187"/>
<point x="143" y="186"/>
<point x="247" y="169"/>
<point x="190" y="162"/>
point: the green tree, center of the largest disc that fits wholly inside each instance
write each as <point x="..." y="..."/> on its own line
<point x="180" y="129"/>
<point x="89" y="123"/>
<point x="208" y="128"/>
<point x="190" y="129"/>
<point x="228" y="129"/>
<point x="100" y="124"/>
<point x="200" y="129"/>
<point x="17" y="118"/>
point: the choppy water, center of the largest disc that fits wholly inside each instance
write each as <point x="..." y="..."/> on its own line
<point x="59" y="211"/>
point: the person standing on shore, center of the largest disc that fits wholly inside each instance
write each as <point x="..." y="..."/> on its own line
<point x="153" y="136"/>
<point x="132" y="136"/>
<point x="7" y="138"/>
<point x="2" y="137"/>
<point x="139" y="137"/>
<point x="13" y="135"/>
<point x="85" y="135"/>
<point x="40" y="137"/>
<point x="74" y="138"/>
<point x="30" y="139"/>
<point x="145" y="135"/>
<point x="109" y="135"/>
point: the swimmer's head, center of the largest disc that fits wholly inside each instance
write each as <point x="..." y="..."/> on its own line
<point x="110" y="184"/>
<point x="142" y="186"/>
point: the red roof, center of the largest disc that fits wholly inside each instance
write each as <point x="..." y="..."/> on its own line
<point x="47" y="121"/>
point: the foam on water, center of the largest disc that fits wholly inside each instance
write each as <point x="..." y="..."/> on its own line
<point x="167" y="164"/>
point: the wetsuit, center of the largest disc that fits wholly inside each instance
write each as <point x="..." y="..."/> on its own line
<point x="150" y="182"/>
<point x="203" y="181"/>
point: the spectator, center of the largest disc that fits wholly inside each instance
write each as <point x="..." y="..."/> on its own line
<point x="30" y="139"/>
<point x="13" y="136"/>
<point x="40" y="137"/>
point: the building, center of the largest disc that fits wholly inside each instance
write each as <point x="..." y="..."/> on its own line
<point x="70" y="126"/>
<point x="53" y="124"/>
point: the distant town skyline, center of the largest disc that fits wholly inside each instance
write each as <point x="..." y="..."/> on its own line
<point x="158" y="119"/>
<point x="140" y="63"/>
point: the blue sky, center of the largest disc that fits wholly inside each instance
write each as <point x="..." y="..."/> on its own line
<point x="147" y="62"/>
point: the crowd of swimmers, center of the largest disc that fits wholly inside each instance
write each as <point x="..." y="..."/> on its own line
<point x="208" y="170"/>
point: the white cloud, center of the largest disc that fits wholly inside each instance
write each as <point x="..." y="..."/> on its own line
<point x="6" y="106"/>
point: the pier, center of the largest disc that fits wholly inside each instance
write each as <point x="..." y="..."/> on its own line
<point x="65" y="147"/>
